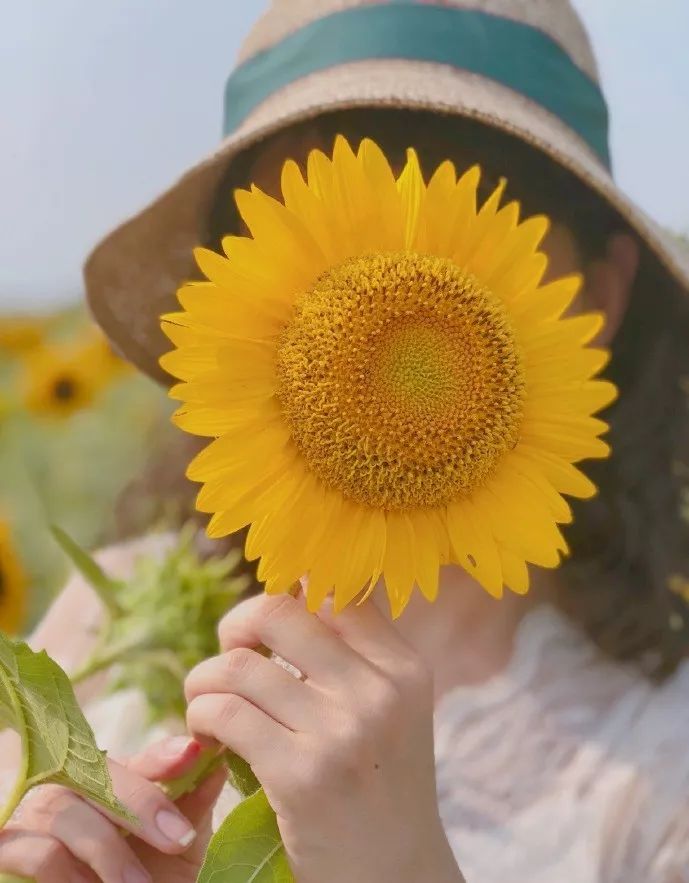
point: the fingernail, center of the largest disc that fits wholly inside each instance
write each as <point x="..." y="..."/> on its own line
<point x="175" y="828"/>
<point x="175" y="746"/>
<point x="135" y="874"/>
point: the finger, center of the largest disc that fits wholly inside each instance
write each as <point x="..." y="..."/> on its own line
<point x="198" y="808"/>
<point x="158" y="821"/>
<point x="39" y="857"/>
<point x="289" y="701"/>
<point x="165" y="759"/>
<point x="370" y="633"/>
<point x="242" y="727"/>
<point x="86" y="834"/>
<point x="284" y="625"/>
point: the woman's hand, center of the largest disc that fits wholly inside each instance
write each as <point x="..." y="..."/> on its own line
<point x="346" y="755"/>
<point x="58" y="837"/>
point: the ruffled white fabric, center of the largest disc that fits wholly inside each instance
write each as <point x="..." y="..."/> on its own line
<point x="565" y="768"/>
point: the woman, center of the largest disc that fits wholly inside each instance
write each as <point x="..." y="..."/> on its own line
<point x="536" y="739"/>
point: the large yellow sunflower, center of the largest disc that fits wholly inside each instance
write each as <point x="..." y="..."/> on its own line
<point x="389" y="384"/>
<point x="12" y="584"/>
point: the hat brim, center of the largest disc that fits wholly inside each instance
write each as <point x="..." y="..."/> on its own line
<point x="132" y="276"/>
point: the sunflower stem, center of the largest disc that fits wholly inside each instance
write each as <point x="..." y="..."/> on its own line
<point x="97" y="664"/>
<point x="90" y="569"/>
<point x="206" y="763"/>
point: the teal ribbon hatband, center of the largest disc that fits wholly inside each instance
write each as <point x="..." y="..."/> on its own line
<point x="514" y="54"/>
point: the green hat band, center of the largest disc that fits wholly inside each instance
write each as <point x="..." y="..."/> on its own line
<point x="509" y="52"/>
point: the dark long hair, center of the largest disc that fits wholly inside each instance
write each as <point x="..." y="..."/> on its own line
<point x="630" y="544"/>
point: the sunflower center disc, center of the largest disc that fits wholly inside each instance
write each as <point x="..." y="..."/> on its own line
<point x="401" y="380"/>
<point x="64" y="389"/>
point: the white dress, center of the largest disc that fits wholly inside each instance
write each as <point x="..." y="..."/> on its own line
<point x="565" y="768"/>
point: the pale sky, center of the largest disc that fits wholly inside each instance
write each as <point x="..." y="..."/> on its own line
<point x="104" y="103"/>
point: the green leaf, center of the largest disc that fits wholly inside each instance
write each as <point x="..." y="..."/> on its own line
<point x="90" y="569"/>
<point x="247" y="847"/>
<point x="242" y="777"/>
<point x="58" y="745"/>
<point x="9" y="878"/>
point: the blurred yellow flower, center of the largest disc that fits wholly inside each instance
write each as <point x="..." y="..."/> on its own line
<point x="12" y="583"/>
<point x="98" y="353"/>
<point x="59" y="380"/>
<point x="20" y="333"/>
<point x="5" y="406"/>
<point x="679" y="585"/>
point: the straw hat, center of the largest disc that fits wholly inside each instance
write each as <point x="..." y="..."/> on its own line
<point x="522" y="66"/>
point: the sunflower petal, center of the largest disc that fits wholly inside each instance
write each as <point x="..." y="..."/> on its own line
<point x="515" y="571"/>
<point x="565" y="477"/>
<point x="473" y="545"/>
<point x="527" y="528"/>
<point x="295" y="537"/>
<point x="399" y="568"/>
<point x="458" y="217"/>
<point x="548" y="301"/>
<point x="412" y="190"/>
<point x="364" y="560"/>
<point x="479" y="225"/>
<point x="428" y="553"/>
<point x="272" y="223"/>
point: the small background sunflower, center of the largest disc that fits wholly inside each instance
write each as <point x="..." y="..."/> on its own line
<point x="12" y="583"/>
<point x="75" y="427"/>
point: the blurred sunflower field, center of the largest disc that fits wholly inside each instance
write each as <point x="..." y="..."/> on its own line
<point x="76" y="426"/>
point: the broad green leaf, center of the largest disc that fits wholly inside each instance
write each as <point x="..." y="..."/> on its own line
<point x="8" y="878"/>
<point x="90" y="569"/>
<point x="58" y="745"/>
<point x="247" y="847"/>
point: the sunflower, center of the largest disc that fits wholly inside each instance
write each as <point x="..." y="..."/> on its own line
<point x="59" y="380"/>
<point x="12" y="584"/>
<point x="19" y="334"/>
<point x="102" y="359"/>
<point x="389" y="384"/>
<point x="6" y="406"/>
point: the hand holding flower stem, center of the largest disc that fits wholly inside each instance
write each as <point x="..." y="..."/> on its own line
<point x="346" y="755"/>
